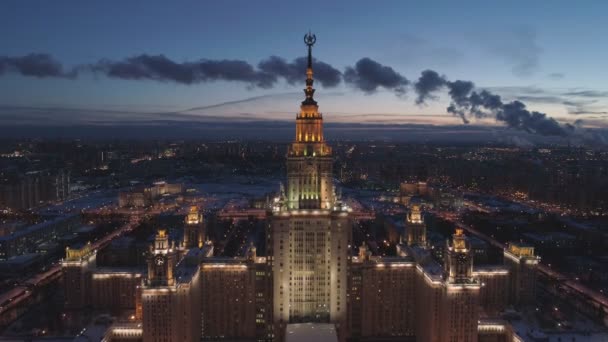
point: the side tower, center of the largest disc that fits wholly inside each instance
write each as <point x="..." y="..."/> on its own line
<point x="415" y="227"/>
<point x="194" y="229"/>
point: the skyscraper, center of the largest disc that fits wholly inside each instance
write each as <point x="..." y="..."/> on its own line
<point x="309" y="229"/>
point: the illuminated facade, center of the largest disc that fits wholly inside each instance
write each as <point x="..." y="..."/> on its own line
<point x="309" y="230"/>
<point x="236" y="298"/>
<point x="381" y="297"/>
<point x="115" y="290"/>
<point x="494" y="281"/>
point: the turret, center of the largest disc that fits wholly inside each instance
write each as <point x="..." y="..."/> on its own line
<point x="458" y="263"/>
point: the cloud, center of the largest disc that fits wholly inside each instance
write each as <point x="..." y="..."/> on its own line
<point x="428" y="83"/>
<point x="577" y="102"/>
<point x="268" y="72"/>
<point x="38" y="65"/>
<point x="368" y="75"/>
<point x="293" y="72"/>
<point x="588" y="112"/>
<point x="467" y="102"/>
<point x="161" y="68"/>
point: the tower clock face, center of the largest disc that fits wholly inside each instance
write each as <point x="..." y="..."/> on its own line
<point x="463" y="258"/>
<point x="159" y="260"/>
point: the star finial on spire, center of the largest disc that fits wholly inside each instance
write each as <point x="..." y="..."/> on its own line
<point x="309" y="40"/>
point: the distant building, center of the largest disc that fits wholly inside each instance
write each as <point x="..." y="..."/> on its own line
<point x="34" y="188"/>
<point x="407" y="190"/>
<point x="144" y="196"/>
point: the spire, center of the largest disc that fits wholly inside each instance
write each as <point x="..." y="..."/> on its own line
<point x="309" y="40"/>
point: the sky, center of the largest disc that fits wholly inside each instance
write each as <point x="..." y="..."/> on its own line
<point x="550" y="56"/>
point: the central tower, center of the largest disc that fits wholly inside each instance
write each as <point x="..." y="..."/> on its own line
<point x="309" y="229"/>
<point x="309" y="162"/>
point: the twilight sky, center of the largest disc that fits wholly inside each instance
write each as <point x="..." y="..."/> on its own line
<point x="550" y="55"/>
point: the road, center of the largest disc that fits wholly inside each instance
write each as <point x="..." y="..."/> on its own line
<point x="22" y="292"/>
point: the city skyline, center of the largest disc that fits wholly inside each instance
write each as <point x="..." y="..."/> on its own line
<point x="519" y="56"/>
<point x="406" y="172"/>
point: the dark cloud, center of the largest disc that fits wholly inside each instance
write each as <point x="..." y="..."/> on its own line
<point x="294" y="72"/>
<point x="142" y="67"/>
<point x="161" y="68"/>
<point x="428" y="83"/>
<point x="34" y="65"/>
<point x="368" y="75"/>
<point x="466" y="102"/>
<point x="517" y="116"/>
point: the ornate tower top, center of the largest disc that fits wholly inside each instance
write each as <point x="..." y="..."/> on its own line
<point x="458" y="263"/>
<point x="309" y="164"/>
<point x="309" y="40"/>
